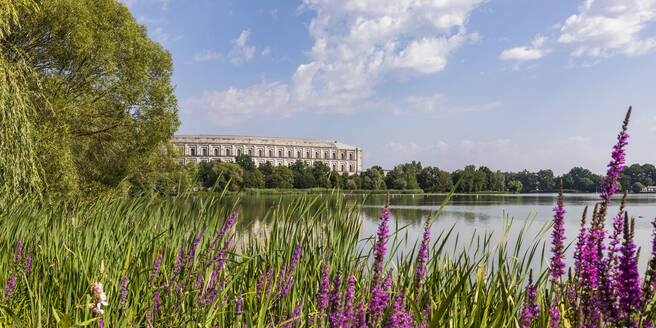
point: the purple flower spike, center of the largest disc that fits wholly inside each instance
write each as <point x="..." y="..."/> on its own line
<point x="101" y="323"/>
<point x="156" y="269"/>
<point x="347" y="311"/>
<point x="19" y="251"/>
<point x="124" y="292"/>
<point x="422" y="258"/>
<point x="531" y="308"/>
<point x="322" y="293"/>
<point x="28" y="264"/>
<point x="9" y="288"/>
<point x="238" y="308"/>
<point x="557" y="268"/>
<point x="629" y="291"/>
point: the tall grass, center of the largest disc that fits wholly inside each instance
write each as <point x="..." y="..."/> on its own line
<point x="72" y="245"/>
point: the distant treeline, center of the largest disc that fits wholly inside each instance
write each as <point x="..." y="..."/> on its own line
<point x="409" y="176"/>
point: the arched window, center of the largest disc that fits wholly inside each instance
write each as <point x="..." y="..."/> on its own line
<point x="334" y="156"/>
<point x="227" y="151"/>
<point x="316" y="155"/>
<point x="238" y="152"/>
<point x="350" y="168"/>
<point x="334" y="167"/>
<point x="260" y="152"/>
<point x="270" y="153"/>
<point x="193" y="151"/>
<point x="307" y="154"/>
<point x="342" y="158"/>
<point x="217" y="152"/>
<point x="289" y="153"/>
<point x="204" y="151"/>
<point x="250" y="152"/>
<point x="325" y="155"/>
<point x="342" y="168"/>
<point x="279" y="153"/>
<point x="299" y="154"/>
<point x="351" y="156"/>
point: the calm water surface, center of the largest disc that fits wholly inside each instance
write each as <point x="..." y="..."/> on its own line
<point x="478" y="214"/>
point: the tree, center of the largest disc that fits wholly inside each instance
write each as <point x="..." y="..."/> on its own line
<point x="254" y="179"/>
<point x="246" y="162"/>
<point x="546" y="180"/>
<point x="101" y="98"/>
<point x="374" y="179"/>
<point x="282" y="177"/>
<point x="637" y="187"/>
<point x="515" y="186"/>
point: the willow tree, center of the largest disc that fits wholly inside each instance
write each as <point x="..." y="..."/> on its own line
<point x="105" y="106"/>
<point x="19" y="171"/>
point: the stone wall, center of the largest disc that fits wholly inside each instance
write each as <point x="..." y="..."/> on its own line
<point x="279" y="151"/>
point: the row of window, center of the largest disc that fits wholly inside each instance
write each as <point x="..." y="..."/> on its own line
<point x="271" y="153"/>
<point x="335" y="167"/>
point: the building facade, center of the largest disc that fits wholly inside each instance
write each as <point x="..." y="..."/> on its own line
<point x="339" y="157"/>
<point x="649" y="189"/>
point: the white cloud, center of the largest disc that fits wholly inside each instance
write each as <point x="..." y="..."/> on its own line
<point x="358" y="44"/>
<point x="524" y="53"/>
<point x="263" y="100"/>
<point x="604" y="27"/>
<point x="241" y="52"/>
<point x="207" y="55"/>
<point x="653" y="128"/>
<point x="437" y="105"/>
<point x="266" y="51"/>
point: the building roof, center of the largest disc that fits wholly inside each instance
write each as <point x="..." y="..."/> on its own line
<point x="269" y="141"/>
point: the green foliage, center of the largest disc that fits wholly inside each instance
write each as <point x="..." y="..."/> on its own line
<point x="86" y="84"/>
<point x="282" y="177"/>
<point x="515" y="186"/>
<point x="637" y="187"/>
<point x="246" y="162"/>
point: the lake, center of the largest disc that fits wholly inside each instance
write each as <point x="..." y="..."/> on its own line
<point x="476" y="214"/>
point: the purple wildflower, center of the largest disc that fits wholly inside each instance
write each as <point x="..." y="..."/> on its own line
<point x="379" y="247"/>
<point x="629" y="291"/>
<point x="334" y="313"/>
<point x="360" y="316"/>
<point x="124" y="292"/>
<point x="156" y="300"/>
<point x="347" y="311"/>
<point x="192" y="252"/>
<point x="19" y="251"/>
<point x="649" y="287"/>
<point x="322" y="293"/>
<point x="155" y="271"/>
<point x="28" y="264"/>
<point x="238" y="308"/>
<point x="378" y="302"/>
<point x="101" y="324"/>
<point x="531" y="309"/>
<point x="9" y="287"/>
<point x="293" y="317"/>
<point x="557" y="268"/>
<point x="422" y="257"/>
<point x="399" y="317"/>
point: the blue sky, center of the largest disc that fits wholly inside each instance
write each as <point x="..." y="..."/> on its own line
<point x="506" y="84"/>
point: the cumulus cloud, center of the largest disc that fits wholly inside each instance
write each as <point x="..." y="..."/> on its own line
<point x="535" y="51"/>
<point x="266" y="51"/>
<point x="604" y="27"/>
<point x="264" y="100"/>
<point x="207" y="55"/>
<point x="241" y="52"/>
<point x="358" y="44"/>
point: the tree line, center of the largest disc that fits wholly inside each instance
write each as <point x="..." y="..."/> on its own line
<point x="409" y="176"/>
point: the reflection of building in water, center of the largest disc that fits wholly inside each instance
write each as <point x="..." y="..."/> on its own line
<point x="279" y="151"/>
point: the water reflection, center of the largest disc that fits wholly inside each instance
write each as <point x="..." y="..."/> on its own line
<point x="468" y="214"/>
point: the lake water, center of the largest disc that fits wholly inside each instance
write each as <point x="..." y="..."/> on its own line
<point x="477" y="214"/>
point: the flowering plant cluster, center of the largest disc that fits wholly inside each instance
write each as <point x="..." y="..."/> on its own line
<point x="605" y="289"/>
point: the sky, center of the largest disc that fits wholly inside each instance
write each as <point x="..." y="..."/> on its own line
<point x="512" y="85"/>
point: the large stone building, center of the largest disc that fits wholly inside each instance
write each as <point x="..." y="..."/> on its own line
<point x="279" y="151"/>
